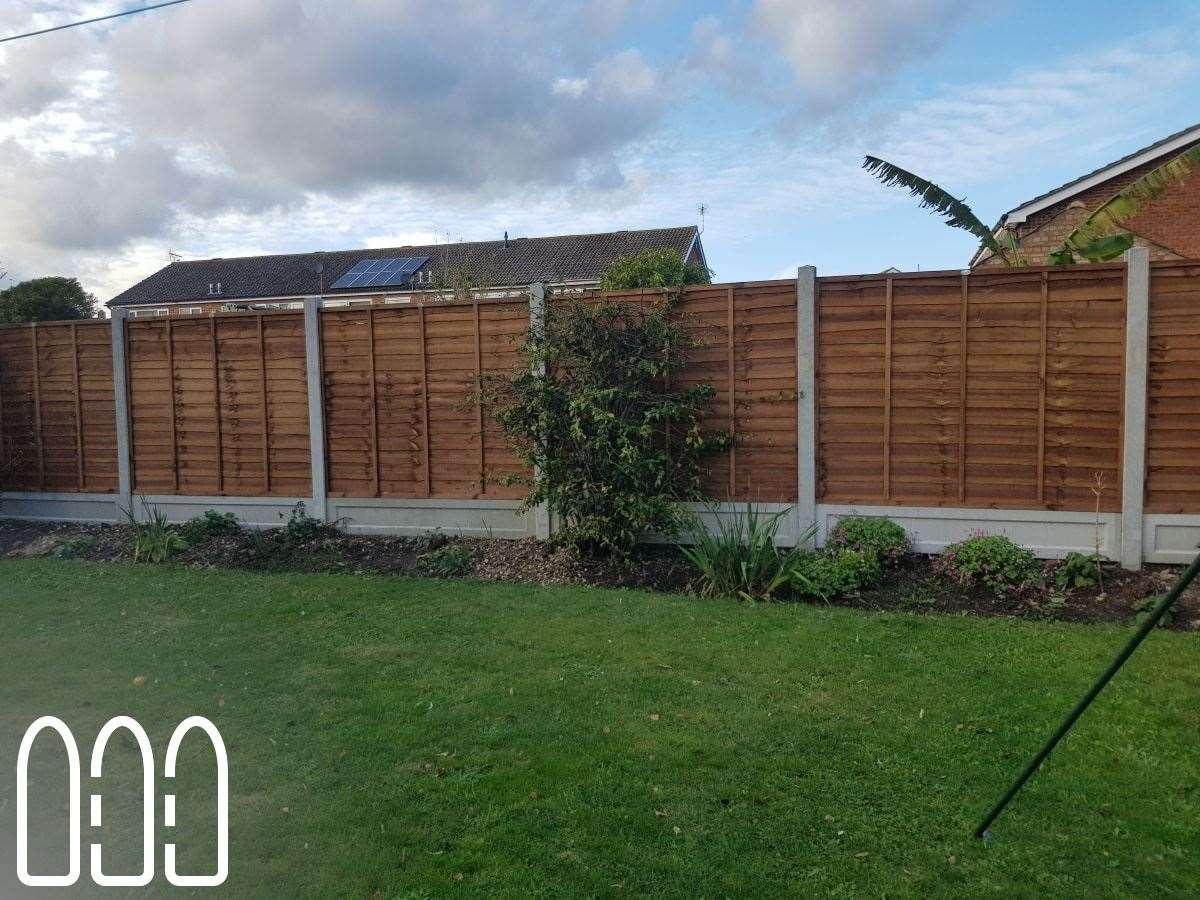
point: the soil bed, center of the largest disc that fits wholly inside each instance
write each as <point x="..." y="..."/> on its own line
<point x="911" y="588"/>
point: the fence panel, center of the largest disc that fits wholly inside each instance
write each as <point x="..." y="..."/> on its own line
<point x="997" y="389"/>
<point x="1000" y="389"/>
<point x="57" y="426"/>
<point x="218" y="405"/>
<point x="1173" y="413"/>
<point x="404" y="413"/>
<point x="746" y="336"/>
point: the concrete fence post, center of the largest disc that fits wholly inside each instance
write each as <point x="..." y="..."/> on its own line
<point x="537" y="320"/>
<point x="806" y="401"/>
<point x="1137" y="352"/>
<point x="121" y="406"/>
<point x="316" y="407"/>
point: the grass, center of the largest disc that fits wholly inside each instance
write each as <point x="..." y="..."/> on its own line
<point x="406" y="738"/>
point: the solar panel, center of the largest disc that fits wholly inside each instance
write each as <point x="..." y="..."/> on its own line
<point x="369" y="273"/>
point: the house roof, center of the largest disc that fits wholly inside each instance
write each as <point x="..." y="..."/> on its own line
<point x="1172" y="143"/>
<point x="517" y="261"/>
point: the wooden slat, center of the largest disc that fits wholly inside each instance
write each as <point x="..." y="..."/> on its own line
<point x="731" y="355"/>
<point x="425" y="401"/>
<point x="80" y="473"/>
<point x="1041" y="439"/>
<point x="37" y="407"/>
<point x="266" y="419"/>
<point x="216" y="378"/>
<point x="962" y="389"/>
<point x="479" y="402"/>
<point x="374" y="408"/>
<point x="174" y="413"/>
<point x="887" y="392"/>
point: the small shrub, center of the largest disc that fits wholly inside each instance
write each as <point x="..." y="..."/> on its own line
<point x="831" y="574"/>
<point x="75" y="546"/>
<point x="1049" y="606"/>
<point x="1077" y="570"/>
<point x="447" y="561"/>
<point x="154" y="540"/>
<point x="881" y="538"/>
<point x="740" y="558"/>
<point x="590" y="418"/>
<point x="921" y="596"/>
<point x="301" y="528"/>
<point x="990" y="559"/>
<point x="432" y="540"/>
<point x="1144" y="607"/>
<point x="652" y="269"/>
<point x="208" y="525"/>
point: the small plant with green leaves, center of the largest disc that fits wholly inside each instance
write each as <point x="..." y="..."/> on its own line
<point x="652" y="269"/>
<point x="989" y="559"/>
<point x="1144" y="608"/>
<point x="834" y="573"/>
<point x="447" y="561"/>
<point x="154" y="541"/>
<point x="301" y="528"/>
<point x="613" y="449"/>
<point x="75" y="546"/>
<point x="740" y="558"/>
<point x="208" y="525"/>
<point x="881" y="538"/>
<point x="1077" y="570"/>
<point x="921" y="596"/>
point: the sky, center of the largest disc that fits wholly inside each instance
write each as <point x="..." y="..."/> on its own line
<point x="238" y="127"/>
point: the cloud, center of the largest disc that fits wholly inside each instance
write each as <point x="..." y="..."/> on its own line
<point x="832" y="50"/>
<point x="113" y="134"/>
<point x="456" y="94"/>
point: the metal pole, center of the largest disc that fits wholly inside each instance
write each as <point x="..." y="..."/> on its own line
<point x="1140" y="635"/>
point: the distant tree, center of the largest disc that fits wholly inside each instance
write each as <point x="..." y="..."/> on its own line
<point x="652" y="269"/>
<point x="46" y="300"/>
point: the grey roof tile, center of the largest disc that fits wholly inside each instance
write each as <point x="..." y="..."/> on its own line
<point x="571" y="257"/>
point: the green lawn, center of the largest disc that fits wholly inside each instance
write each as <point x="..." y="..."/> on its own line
<point x="403" y="738"/>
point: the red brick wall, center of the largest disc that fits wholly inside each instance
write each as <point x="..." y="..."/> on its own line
<point x="1170" y="226"/>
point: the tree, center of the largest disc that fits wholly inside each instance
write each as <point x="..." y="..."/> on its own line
<point x="956" y="212"/>
<point x="652" y="269"/>
<point x="1094" y="247"/>
<point x="613" y="450"/>
<point x="1100" y="235"/>
<point x="46" y="300"/>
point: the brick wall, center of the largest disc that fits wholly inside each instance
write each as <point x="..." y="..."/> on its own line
<point x="1169" y="227"/>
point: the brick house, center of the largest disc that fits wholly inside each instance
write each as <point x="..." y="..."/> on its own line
<point x="1168" y="226"/>
<point x="395" y="274"/>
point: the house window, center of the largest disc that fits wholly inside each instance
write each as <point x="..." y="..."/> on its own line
<point x="392" y="300"/>
<point x="146" y="313"/>
<point x="190" y="310"/>
<point x="332" y="304"/>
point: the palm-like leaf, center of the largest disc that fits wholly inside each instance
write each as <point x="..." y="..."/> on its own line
<point x="1097" y="237"/>
<point x="956" y="212"/>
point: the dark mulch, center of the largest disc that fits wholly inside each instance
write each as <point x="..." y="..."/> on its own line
<point x="911" y="588"/>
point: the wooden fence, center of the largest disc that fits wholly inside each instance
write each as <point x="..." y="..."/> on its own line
<point x="1173" y="410"/>
<point x="57" y="424"/>
<point x="1001" y="390"/>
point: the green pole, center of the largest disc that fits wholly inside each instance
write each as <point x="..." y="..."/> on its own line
<point x="1140" y="635"/>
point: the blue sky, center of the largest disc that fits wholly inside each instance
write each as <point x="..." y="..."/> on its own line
<point x="231" y="127"/>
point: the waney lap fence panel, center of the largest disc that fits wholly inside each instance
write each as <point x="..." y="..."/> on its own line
<point x="405" y="415"/>
<point x="746" y="348"/>
<point x="57" y="419"/>
<point x="990" y="390"/>
<point x="219" y="406"/>
<point x="1173" y="411"/>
